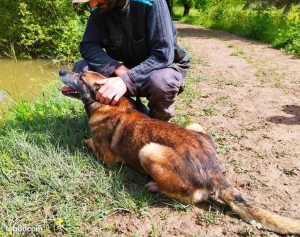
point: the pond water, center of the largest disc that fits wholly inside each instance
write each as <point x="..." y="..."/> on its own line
<point x="23" y="78"/>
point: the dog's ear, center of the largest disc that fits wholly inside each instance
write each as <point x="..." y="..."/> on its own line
<point x="94" y="79"/>
<point x="99" y="79"/>
<point x="101" y="76"/>
<point x="101" y="82"/>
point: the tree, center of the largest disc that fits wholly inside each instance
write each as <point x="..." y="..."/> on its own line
<point x="41" y="28"/>
<point x="286" y="4"/>
<point x="247" y="5"/>
<point x="187" y="4"/>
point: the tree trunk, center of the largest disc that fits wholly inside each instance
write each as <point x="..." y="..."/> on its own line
<point x="187" y="8"/>
<point x="247" y="5"/>
<point x="287" y="7"/>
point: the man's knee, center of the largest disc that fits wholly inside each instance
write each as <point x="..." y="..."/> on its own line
<point x="161" y="89"/>
<point x="165" y="81"/>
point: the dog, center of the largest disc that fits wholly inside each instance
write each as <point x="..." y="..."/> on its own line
<point x="182" y="162"/>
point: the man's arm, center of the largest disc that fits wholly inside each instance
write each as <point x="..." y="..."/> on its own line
<point x="120" y="70"/>
<point x="91" y="50"/>
<point x="161" y="40"/>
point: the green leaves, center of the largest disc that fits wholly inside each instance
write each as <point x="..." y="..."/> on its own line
<point x="42" y="29"/>
<point x="265" y="23"/>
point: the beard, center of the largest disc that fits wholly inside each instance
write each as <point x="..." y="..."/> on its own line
<point x="110" y="5"/>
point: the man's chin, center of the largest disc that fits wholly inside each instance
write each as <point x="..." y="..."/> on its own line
<point x="110" y="6"/>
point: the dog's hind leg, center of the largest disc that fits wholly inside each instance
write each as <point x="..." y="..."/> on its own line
<point x="158" y="162"/>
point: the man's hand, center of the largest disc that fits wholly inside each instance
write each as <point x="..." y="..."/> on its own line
<point x="111" y="91"/>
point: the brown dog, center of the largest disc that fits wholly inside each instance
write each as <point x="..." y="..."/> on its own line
<point x="182" y="162"/>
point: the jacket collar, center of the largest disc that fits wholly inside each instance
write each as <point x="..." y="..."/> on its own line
<point x="126" y="6"/>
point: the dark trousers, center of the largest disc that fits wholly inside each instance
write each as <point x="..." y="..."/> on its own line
<point x="160" y="89"/>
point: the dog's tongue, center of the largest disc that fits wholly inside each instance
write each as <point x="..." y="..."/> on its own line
<point x="66" y="89"/>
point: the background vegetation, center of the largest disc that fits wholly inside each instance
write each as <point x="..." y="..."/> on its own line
<point x="53" y="28"/>
<point x="41" y="29"/>
<point x="275" y="22"/>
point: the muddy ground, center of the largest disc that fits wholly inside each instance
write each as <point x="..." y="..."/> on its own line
<point x="247" y="95"/>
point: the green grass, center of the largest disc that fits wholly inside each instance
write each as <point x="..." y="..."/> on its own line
<point x="289" y="172"/>
<point x="191" y="18"/>
<point x="210" y="217"/>
<point x="50" y="179"/>
<point x="185" y="102"/>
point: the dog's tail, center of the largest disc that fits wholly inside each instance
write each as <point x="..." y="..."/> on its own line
<point x="258" y="216"/>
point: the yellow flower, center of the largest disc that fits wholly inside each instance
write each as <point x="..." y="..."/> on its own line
<point x="40" y="112"/>
<point x="59" y="222"/>
<point x="52" y="195"/>
<point x="10" y="233"/>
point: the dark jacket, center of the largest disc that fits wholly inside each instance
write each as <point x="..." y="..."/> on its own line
<point x="140" y="34"/>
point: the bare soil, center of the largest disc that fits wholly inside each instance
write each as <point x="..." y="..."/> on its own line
<point x="249" y="100"/>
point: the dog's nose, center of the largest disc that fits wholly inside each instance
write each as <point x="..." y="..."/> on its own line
<point x="62" y="73"/>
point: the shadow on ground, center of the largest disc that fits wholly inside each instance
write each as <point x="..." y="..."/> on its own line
<point x="205" y="34"/>
<point x="293" y="110"/>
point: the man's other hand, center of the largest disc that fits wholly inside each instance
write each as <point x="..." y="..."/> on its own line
<point x="111" y="91"/>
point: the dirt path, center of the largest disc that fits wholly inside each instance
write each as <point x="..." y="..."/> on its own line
<point x="247" y="95"/>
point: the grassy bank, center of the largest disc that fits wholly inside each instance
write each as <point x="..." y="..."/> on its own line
<point x="50" y="179"/>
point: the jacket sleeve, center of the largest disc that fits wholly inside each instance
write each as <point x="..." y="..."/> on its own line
<point x="91" y="49"/>
<point x="161" y="41"/>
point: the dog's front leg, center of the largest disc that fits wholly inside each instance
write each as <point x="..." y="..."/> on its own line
<point x="102" y="151"/>
<point x="90" y="144"/>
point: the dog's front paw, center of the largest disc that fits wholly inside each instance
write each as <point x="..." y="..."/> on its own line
<point x="90" y="143"/>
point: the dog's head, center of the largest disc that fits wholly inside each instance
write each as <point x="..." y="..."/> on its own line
<point x="80" y="85"/>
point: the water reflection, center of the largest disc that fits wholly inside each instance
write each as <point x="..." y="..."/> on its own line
<point x="1" y="96"/>
<point x="23" y="78"/>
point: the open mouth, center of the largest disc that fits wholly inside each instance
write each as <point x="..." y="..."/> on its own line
<point x="69" y="91"/>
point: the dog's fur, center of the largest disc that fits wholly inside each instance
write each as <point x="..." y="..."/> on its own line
<point x="182" y="162"/>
